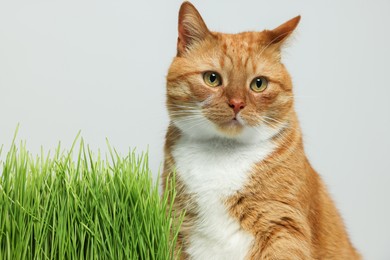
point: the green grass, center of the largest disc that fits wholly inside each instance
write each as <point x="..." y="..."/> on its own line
<point x="58" y="207"/>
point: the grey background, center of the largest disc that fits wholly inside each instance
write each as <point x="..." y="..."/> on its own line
<point x="100" y="66"/>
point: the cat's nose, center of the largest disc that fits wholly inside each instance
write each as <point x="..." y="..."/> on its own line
<point x="236" y="104"/>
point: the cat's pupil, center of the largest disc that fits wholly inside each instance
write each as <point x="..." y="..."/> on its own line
<point x="259" y="82"/>
<point x="213" y="77"/>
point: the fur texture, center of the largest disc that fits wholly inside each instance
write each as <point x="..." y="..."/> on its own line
<point x="242" y="177"/>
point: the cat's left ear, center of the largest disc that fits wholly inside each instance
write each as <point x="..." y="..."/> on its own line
<point x="281" y="33"/>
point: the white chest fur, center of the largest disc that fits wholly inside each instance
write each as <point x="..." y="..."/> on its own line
<point x="212" y="171"/>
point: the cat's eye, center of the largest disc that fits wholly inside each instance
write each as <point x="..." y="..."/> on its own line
<point x="259" y="84"/>
<point x="212" y="79"/>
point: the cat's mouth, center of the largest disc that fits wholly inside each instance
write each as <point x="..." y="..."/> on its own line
<point x="234" y="122"/>
<point x="232" y="127"/>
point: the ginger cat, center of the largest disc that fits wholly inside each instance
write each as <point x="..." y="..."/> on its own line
<point x="242" y="177"/>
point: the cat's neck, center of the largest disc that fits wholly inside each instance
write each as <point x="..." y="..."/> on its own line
<point x="242" y="140"/>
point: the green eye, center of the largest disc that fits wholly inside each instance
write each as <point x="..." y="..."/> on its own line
<point x="212" y="79"/>
<point x="259" y="84"/>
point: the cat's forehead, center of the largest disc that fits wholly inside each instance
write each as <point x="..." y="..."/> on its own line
<point x="243" y="53"/>
<point x="242" y="41"/>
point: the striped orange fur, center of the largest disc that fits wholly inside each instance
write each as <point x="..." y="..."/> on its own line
<point x="276" y="207"/>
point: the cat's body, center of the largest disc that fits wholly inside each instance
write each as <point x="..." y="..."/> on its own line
<point x="242" y="177"/>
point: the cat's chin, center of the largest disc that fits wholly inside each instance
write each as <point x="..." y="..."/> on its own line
<point x="231" y="128"/>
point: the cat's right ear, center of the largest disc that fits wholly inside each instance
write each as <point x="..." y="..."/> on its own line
<point x="192" y="28"/>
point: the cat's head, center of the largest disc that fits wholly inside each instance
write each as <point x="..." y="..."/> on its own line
<point x="229" y="85"/>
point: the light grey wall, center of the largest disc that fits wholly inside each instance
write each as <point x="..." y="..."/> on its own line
<point x="100" y="66"/>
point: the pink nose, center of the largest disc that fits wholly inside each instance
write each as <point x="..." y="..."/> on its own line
<point x="236" y="104"/>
